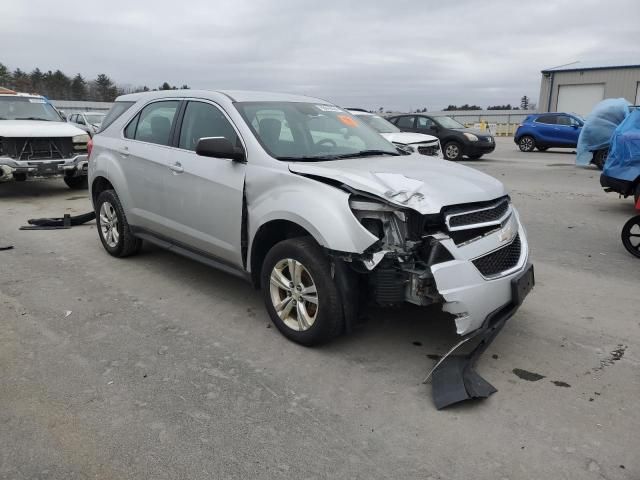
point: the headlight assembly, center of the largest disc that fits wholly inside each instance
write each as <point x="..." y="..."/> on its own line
<point x="471" y="137"/>
<point x="80" y="142"/>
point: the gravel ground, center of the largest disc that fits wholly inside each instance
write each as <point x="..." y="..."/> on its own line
<point x="158" y="367"/>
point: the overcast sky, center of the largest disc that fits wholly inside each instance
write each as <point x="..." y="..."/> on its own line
<point x="396" y="54"/>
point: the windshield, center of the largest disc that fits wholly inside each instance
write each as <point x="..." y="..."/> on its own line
<point x="26" y="108"/>
<point x="311" y="132"/>
<point x="448" y="122"/>
<point x="94" y="118"/>
<point x="380" y="124"/>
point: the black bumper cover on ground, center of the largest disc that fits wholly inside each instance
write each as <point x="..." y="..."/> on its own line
<point x="455" y="379"/>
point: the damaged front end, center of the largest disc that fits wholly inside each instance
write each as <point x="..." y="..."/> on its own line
<point x="470" y="258"/>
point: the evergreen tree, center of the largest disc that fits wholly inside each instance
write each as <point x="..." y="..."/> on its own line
<point x="6" y="78"/>
<point x="524" y="103"/>
<point x="105" y="90"/>
<point x="78" y="88"/>
<point x="21" y="81"/>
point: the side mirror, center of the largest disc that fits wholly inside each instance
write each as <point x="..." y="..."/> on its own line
<point x="433" y="128"/>
<point x="219" y="147"/>
<point x="575" y="126"/>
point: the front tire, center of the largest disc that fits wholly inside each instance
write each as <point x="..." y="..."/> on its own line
<point x="452" y="151"/>
<point x="113" y="228"/>
<point x="77" y="183"/>
<point x="299" y="292"/>
<point x="527" y="143"/>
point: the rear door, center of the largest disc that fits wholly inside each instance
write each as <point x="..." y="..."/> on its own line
<point x="145" y="158"/>
<point x="406" y="123"/>
<point x="544" y="129"/>
<point x="204" y="195"/>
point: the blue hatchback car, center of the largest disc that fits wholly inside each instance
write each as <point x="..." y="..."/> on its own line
<point x="546" y="130"/>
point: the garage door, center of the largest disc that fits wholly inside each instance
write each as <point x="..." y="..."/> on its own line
<point x="579" y="99"/>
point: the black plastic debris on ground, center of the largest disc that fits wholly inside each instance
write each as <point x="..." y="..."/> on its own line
<point x="528" y="376"/>
<point x="8" y="247"/>
<point x="59" y="223"/>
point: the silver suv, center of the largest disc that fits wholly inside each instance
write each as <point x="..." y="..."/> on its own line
<point x="311" y="205"/>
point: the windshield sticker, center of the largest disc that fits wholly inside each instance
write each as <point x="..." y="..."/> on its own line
<point x="328" y="108"/>
<point x="36" y="100"/>
<point x="348" y="121"/>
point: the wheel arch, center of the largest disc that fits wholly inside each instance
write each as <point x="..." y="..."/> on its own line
<point x="268" y="235"/>
<point x="99" y="185"/>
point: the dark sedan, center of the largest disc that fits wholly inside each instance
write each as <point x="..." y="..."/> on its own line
<point x="455" y="138"/>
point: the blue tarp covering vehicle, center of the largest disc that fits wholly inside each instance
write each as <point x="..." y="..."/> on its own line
<point x="621" y="172"/>
<point x="595" y="137"/>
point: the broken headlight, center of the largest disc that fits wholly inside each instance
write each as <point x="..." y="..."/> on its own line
<point x="385" y="221"/>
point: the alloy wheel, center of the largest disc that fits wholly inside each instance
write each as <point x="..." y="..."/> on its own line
<point x="526" y="144"/>
<point x="452" y="151"/>
<point x="293" y="294"/>
<point x="109" y="224"/>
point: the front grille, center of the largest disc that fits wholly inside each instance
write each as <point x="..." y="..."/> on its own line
<point x="501" y="260"/>
<point x="56" y="148"/>
<point x="491" y="214"/>
<point x="431" y="150"/>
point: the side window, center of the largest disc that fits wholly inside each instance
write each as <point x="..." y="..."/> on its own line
<point x="425" y="123"/>
<point x="130" y="131"/>
<point x="80" y="119"/>
<point x="563" y="120"/>
<point x="72" y="118"/>
<point x="203" y="120"/>
<point x="405" y="122"/>
<point x="154" y="122"/>
<point x="547" y="119"/>
<point x="117" y="109"/>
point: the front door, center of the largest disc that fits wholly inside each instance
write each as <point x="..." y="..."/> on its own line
<point x="203" y="194"/>
<point x="568" y="130"/>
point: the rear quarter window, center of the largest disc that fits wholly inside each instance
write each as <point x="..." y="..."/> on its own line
<point x="117" y="109"/>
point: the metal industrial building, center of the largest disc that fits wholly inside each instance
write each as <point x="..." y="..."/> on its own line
<point x="578" y="86"/>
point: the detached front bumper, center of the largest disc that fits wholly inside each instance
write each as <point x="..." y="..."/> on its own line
<point x="74" y="166"/>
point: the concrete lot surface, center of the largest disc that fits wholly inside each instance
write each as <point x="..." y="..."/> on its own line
<point x="158" y="367"/>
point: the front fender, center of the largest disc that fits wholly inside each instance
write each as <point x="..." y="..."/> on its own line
<point x="321" y="209"/>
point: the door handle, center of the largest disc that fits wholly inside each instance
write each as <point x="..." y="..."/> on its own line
<point x="176" y="167"/>
<point x="124" y="151"/>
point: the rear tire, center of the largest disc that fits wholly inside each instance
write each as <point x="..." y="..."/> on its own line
<point x="600" y="158"/>
<point x="77" y="183"/>
<point x="291" y="268"/>
<point x="526" y="143"/>
<point x="113" y="228"/>
<point x="452" y="151"/>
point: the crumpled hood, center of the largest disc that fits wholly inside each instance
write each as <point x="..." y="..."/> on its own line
<point x="416" y="181"/>
<point x="37" y="128"/>
<point x="407" y="138"/>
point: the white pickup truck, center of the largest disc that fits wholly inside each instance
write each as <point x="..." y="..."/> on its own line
<point x="35" y="141"/>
